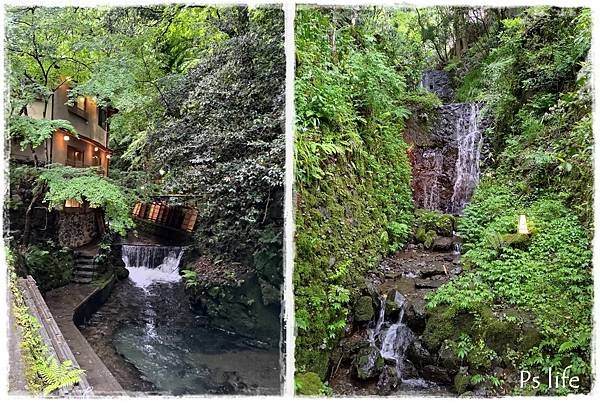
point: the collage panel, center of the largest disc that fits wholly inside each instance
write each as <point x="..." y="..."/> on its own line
<point x="443" y="201"/>
<point x="287" y="200"/>
<point x="144" y="205"/>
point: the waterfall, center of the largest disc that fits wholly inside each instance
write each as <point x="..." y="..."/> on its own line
<point x="395" y="337"/>
<point x="433" y="161"/>
<point x="148" y="264"/>
<point x="468" y="141"/>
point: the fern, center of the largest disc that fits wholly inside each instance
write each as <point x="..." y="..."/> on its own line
<point x="56" y="375"/>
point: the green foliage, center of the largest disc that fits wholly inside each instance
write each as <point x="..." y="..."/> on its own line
<point x="224" y="142"/>
<point x="535" y="81"/>
<point x="51" y="267"/>
<point x="33" y="132"/>
<point x="56" y="375"/>
<point x="309" y="384"/>
<point x="43" y="372"/>
<point x="85" y="184"/>
<point x="355" y="86"/>
<point x="441" y="224"/>
<point x="549" y="275"/>
<point x="190" y="278"/>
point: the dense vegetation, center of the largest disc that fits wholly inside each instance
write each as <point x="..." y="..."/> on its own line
<point x="356" y="84"/>
<point x="530" y="69"/>
<point x="44" y="374"/>
<point x="534" y="79"/>
<point x="224" y="142"/>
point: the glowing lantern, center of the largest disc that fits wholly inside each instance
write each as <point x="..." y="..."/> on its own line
<point x="523" y="225"/>
<point x="66" y="137"/>
<point x="108" y="156"/>
<point x="95" y="148"/>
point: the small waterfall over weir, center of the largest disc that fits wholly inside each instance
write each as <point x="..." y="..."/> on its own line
<point x="148" y="264"/>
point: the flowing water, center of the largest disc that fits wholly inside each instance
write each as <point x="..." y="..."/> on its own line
<point x="151" y="341"/>
<point x="469" y="141"/>
<point x="446" y="170"/>
<point x="391" y="337"/>
<point x="433" y="161"/>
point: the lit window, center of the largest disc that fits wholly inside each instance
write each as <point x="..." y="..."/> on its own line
<point x="80" y="103"/>
<point x="72" y="203"/>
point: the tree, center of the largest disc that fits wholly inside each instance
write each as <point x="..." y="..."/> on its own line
<point x="225" y="141"/>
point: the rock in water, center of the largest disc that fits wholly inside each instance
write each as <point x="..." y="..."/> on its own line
<point x="367" y="364"/>
<point x="388" y="381"/>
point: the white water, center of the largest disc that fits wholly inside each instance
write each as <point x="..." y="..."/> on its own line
<point x="433" y="159"/>
<point x="469" y="141"/>
<point x="395" y="337"/>
<point x="148" y="264"/>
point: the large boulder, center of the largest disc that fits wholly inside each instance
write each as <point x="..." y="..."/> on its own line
<point x="367" y="364"/>
<point x="436" y="374"/>
<point x="418" y="355"/>
<point x="388" y="381"/>
<point x="363" y="309"/>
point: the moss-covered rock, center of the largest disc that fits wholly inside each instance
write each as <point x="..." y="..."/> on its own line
<point x="447" y="356"/>
<point x="367" y="364"/>
<point x="309" y="384"/>
<point x="363" y="310"/>
<point x="427" y="220"/>
<point x="444" y="324"/>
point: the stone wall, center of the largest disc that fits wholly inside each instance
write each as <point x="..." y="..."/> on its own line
<point x="77" y="228"/>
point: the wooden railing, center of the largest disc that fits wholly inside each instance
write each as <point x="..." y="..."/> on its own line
<point x="178" y="217"/>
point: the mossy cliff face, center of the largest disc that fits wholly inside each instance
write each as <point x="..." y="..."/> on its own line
<point x="353" y="197"/>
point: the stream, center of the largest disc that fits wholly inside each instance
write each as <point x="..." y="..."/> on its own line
<point x="152" y="342"/>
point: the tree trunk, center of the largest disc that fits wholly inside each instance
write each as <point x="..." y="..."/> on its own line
<point x="28" y="215"/>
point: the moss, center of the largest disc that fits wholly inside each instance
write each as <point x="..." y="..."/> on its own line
<point x="427" y="220"/>
<point x="461" y="383"/>
<point x="445" y="324"/>
<point x="363" y="310"/>
<point x="309" y="384"/>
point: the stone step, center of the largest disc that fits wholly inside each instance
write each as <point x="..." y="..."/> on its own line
<point x="84" y="265"/>
<point x="83" y="273"/>
<point x="83" y="260"/>
<point x="82" y="280"/>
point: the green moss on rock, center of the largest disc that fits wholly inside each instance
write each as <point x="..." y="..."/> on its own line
<point x="309" y="384"/>
<point x="363" y="310"/>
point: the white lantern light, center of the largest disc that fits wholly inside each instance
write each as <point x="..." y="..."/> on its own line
<point x="66" y="137"/>
<point x="523" y="225"/>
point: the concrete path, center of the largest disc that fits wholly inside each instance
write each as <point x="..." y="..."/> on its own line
<point x="61" y="302"/>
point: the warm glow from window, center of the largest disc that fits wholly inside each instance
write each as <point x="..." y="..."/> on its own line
<point x="72" y="203"/>
<point x="80" y="103"/>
